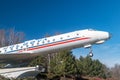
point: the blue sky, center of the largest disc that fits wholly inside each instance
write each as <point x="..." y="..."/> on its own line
<point x="39" y="17"/>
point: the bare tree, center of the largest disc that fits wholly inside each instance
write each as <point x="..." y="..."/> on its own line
<point x="47" y="35"/>
<point x="9" y="37"/>
<point x="57" y="33"/>
<point x="15" y="37"/>
<point x="2" y="38"/>
<point x="116" y="72"/>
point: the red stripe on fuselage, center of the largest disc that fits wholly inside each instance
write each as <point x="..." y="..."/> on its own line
<point x="57" y="43"/>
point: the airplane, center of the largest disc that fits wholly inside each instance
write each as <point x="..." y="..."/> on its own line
<point x="76" y="39"/>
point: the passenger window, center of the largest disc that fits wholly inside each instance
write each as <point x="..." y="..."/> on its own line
<point x="68" y="36"/>
<point x="61" y="38"/>
<point x="53" y="39"/>
<point x="21" y="47"/>
<point x="38" y="43"/>
<point x="11" y="48"/>
<point x="39" y="40"/>
<point x="17" y="46"/>
<point x="48" y="41"/>
<point x="27" y="46"/>
<point x="32" y="43"/>
<point x="77" y="34"/>
<point x="25" y="49"/>
<point x="5" y="50"/>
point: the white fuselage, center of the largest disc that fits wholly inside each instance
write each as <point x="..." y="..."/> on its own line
<point x="80" y="38"/>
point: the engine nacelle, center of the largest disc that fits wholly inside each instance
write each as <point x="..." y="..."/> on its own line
<point x="100" y="42"/>
<point x="87" y="46"/>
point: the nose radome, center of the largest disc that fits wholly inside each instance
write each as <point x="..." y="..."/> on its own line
<point x="109" y="35"/>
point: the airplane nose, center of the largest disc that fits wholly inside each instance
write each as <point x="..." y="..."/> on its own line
<point x="110" y="35"/>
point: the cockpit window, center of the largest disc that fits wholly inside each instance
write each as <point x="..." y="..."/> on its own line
<point x="91" y="30"/>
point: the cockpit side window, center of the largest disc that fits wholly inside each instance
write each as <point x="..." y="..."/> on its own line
<point x="91" y="30"/>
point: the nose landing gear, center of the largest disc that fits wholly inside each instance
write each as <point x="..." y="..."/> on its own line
<point x="90" y="53"/>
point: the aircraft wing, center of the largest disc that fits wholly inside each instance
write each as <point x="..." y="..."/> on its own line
<point x="10" y="58"/>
